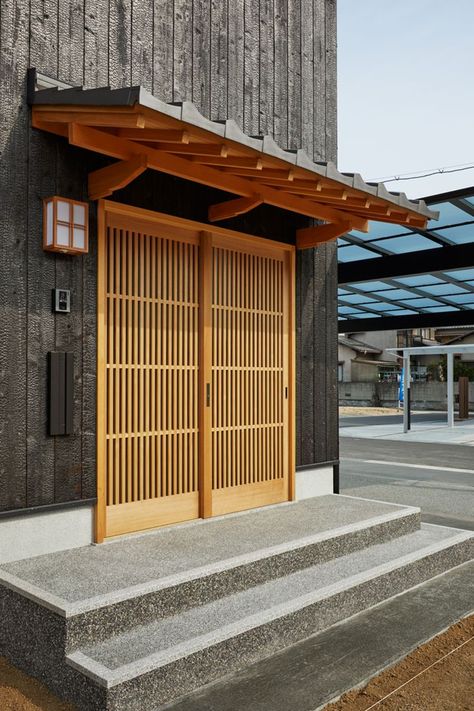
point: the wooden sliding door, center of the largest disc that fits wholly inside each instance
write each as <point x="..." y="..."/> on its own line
<point x="250" y="374"/>
<point x="194" y="371"/>
<point x="148" y="349"/>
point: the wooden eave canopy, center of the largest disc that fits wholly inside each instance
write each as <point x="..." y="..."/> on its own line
<point x="143" y="132"/>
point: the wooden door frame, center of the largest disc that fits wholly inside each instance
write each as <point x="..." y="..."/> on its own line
<point x="170" y="226"/>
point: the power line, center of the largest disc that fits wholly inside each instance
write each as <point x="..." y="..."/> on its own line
<point x="431" y="171"/>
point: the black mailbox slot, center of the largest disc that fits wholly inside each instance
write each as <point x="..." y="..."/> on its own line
<point x="61" y="392"/>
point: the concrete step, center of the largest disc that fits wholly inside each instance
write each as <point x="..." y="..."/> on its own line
<point x="318" y="670"/>
<point x="154" y="663"/>
<point x="99" y="590"/>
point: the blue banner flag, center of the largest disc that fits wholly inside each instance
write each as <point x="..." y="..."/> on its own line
<point x="400" y="386"/>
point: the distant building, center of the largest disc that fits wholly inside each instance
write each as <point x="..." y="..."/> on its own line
<point x="357" y="361"/>
<point x="364" y="357"/>
<point x="457" y="335"/>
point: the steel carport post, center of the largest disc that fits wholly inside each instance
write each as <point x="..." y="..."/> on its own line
<point x="449" y="352"/>
<point x="406" y="391"/>
<point x="450" y="393"/>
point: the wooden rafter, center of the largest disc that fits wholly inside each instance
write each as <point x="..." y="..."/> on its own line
<point x="349" y="201"/>
<point x="154" y="135"/>
<point x="105" y="181"/>
<point x="103" y="118"/>
<point x="108" y="144"/>
<point x="282" y="175"/>
<point x="312" y="236"/>
<point x="310" y="184"/>
<point x="230" y="162"/>
<point x="193" y="149"/>
<point x="394" y="216"/>
<point x="336" y="196"/>
<point x="232" y="208"/>
<point x="197" y="152"/>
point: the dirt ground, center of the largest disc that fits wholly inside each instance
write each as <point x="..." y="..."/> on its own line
<point x="367" y="411"/>
<point x="18" y="692"/>
<point x="446" y="686"/>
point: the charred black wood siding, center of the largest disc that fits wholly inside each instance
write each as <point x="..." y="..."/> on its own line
<point x="270" y="65"/>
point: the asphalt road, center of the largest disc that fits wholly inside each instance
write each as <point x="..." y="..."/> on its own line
<point x="437" y="478"/>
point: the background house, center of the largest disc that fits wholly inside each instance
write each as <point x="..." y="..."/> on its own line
<point x="369" y="375"/>
<point x="457" y="335"/>
<point x="358" y="361"/>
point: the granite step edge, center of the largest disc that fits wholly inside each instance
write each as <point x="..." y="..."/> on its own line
<point x="281" y="671"/>
<point x="67" y="609"/>
<point x="109" y="678"/>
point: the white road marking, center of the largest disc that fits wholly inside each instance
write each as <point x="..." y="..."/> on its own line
<point x="405" y="464"/>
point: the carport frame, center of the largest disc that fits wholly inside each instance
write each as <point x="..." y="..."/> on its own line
<point x="450" y="352"/>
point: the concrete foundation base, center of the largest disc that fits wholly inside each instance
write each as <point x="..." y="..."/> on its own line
<point x="314" y="482"/>
<point x="35" y="534"/>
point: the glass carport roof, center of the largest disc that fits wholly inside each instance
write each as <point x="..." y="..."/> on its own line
<point x="395" y="271"/>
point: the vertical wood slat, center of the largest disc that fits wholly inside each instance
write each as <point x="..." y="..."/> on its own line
<point x="291" y="258"/>
<point x="129" y="355"/>
<point x="205" y="374"/>
<point x="100" y="511"/>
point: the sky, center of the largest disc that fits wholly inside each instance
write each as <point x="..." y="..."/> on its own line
<point x="406" y="91"/>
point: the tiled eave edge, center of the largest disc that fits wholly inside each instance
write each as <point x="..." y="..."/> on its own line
<point x="188" y="113"/>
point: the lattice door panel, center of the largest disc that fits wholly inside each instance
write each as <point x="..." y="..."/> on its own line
<point x="194" y="385"/>
<point x="249" y="378"/>
<point x="152" y="379"/>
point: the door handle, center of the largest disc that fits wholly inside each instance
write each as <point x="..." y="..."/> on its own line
<point x="286" y="393"/>
<point x="208" y="394"/>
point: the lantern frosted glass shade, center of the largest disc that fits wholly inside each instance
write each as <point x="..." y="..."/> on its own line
<point x="65" y="225"/>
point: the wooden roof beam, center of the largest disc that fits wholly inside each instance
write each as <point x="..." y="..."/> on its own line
<point x="232" y="208"/>
<point x="392" y="213"/>
<point x="194" y="149"/>
<point x="312" y="236"/>
<point x="359" y="203"/>
<point x="395" y="217"/>
<point x="105" y="181"/>
<point x="322" y="195"/>
<point x="307" y="184"/>
<point x="230" y="162"/>
<point x="107" y="144"/>
<point x="279" y="175"/>
<point x="56" y="118"/>
<point x="103" y="119"/>
<point x="154" y="135"/>
<point x="60" y="129"/>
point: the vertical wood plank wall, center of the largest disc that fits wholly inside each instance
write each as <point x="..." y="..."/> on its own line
<point x="270" y="65"/>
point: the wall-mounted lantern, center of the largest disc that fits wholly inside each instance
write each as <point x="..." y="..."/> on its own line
<point x="65" y="226"/>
